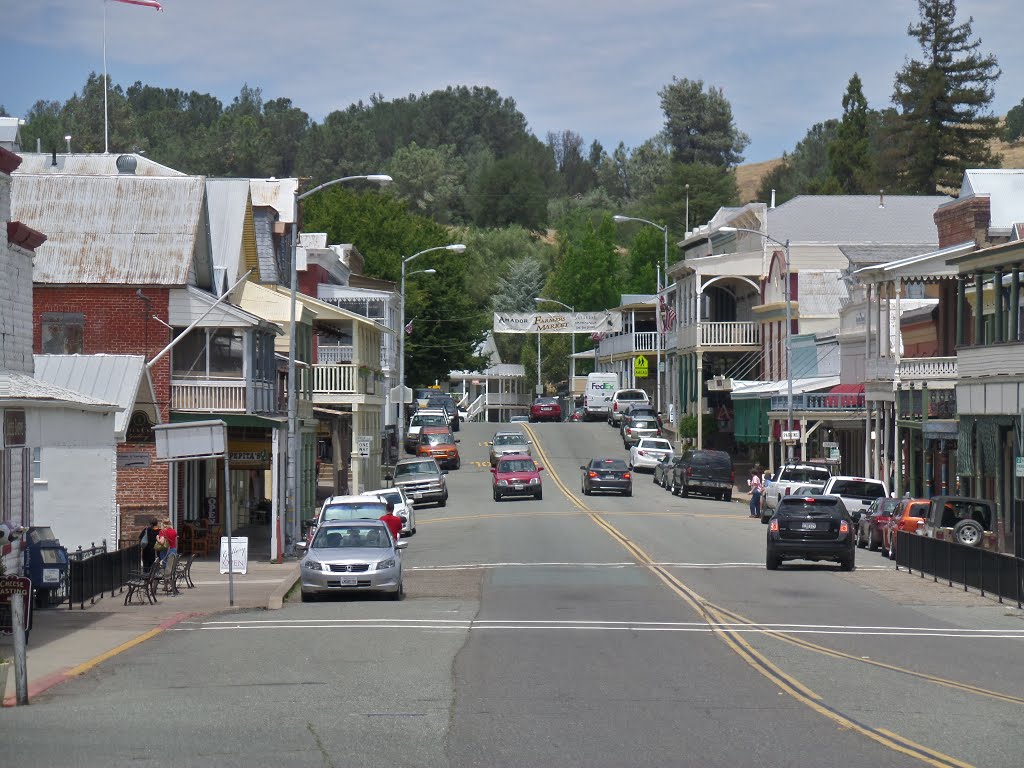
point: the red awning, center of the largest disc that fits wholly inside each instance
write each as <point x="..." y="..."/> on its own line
<point x="847" y="396"/>
<point x="847" y="389"/>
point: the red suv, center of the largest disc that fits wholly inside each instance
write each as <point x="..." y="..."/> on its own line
<point x="545" y="409"/>
<point x="516" y="475"/>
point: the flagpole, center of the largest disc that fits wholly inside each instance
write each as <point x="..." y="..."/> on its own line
<point x="106" y="117"/>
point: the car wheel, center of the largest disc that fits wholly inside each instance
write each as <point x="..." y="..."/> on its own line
<point x="399" y="593"/>
<point x="584" y="490"/>
<point x="771" y="560"/>
<point x="628" y="492"/>
<point x="764" y="520"/>
<point x="968" y="532"/>
<point x="443" y="502"/>
<point x="872" y="544"/>
<point x="306" y="597"/>
<point x="458" y="463"/>
<point x="684" y="491"/>
<point x="497" y="496"/>
<point x="848" y="563"/>
<point x="654" y="479"/>
<point x="727" y="496"/>
<point x="539" y="495"/>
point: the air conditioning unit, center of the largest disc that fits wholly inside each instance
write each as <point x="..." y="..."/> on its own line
<point x="719" y="384"/>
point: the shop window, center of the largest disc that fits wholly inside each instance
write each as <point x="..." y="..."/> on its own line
<point x="63" y="333"/>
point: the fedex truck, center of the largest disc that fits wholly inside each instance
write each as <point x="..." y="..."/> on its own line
<point x="597" y="398"/>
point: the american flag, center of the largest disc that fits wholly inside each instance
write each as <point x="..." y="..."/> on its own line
<point x="147" y="3"/>
<point x="668" y="313"/>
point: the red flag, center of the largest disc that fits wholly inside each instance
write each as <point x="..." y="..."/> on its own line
<point x="147" y="3"/>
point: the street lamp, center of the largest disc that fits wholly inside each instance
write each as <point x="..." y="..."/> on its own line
<point x="789" y="331"/>
<point x="293" y="485"/>
<point x="572" y="360"/>
<point x="657" y="308"/>
<point x="454" y="248"/>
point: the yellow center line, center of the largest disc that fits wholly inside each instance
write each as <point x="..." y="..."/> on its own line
<point x="757" y="660"/>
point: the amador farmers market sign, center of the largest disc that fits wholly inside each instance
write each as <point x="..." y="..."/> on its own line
<point x="557" y="322"/>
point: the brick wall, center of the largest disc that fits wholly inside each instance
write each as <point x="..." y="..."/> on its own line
<point x="15" y="294"/>
<point x="963" y="221"/>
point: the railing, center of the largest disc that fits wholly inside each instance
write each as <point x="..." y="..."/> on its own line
<point x="880" y="369"/>
<point x="986" y="571"/>
<point x="711" y="334"/>
<point x="643" y="341"/>
<point x="927" y="368"/>
<point x="208" y="395"/>
<point x="335" y="379"/>
<point x="330" y="355"/>
<point x="994" y="359"/>
<point x="824" y="401"/>
<point x="941" y="403"/>
<point x="104" y="572"/>
<point x="475" y="408"/>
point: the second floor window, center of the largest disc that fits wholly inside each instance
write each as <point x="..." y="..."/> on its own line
<point x="63" y="333"/>
<point x="209" y="353"/>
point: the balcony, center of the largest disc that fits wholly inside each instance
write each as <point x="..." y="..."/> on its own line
<point x="208" y="395"/>
<point x="332" y="355"/>
<point x="991" y="360"/>
<point x="627" y="343"/>
<point x="927" y="368"/>
<point x="820" y="401"/>
<point x="337" y="379"/>
<point x="733" y="335"/>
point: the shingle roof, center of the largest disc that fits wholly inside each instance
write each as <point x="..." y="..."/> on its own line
<point x="106" y="378"/>
<point x="848" y="219"/>
<point x="133" y="230"/>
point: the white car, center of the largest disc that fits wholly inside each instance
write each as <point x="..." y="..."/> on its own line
<point x="786" y="480"/>
<point x="857" y="493"/>
<point x="648" y="452"/>
<point x="403" y="507"/>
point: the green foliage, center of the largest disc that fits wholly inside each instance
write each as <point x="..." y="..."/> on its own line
<point x="688" y="426"/>
<point x="1014" y="127"/>
<point x="699" y="124"/>
<point x="849" y="152"/>
<point x="429" y="180"/>
<point x="943" y="99"/>
<point x="646" y="254"/>
<point x="808" y="170"/>
<point x="509" y="191"/>
<point x="587" y="266"/>
<point x="577" y="174"/>
<point x="711" y="187"/>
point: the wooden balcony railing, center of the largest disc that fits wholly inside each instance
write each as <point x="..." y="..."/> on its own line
<point x="821" y="401"/>
<point x="917" y="368"/>
<point x="738" y="334"/>
<point x="215" y="396"/>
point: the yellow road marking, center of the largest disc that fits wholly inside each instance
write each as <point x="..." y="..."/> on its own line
<point x="86" y="666"/>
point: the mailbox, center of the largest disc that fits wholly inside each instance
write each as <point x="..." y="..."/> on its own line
<point x="46" y="562"/>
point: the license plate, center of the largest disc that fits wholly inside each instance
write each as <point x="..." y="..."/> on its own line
<point x="518" y="486"/>
<point x="808" y="526"/>
<point x="417" y="495"/>
<point x="349" y="581"/>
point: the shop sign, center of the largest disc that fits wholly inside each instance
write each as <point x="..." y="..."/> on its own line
<point x="14" y="428"/>
<point x="133" y="460"/>
<point x="15" y="588"/>
<point x="249" y="453"/>
<point x="140" y="429"/>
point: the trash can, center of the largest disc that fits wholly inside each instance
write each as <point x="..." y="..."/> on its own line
<point x="46" y="563"/>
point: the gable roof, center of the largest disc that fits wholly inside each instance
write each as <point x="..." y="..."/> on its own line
<point x="20" y="388"/>
<point x="228" y="204"/>
<point x="1005" y="189"/>
<point x="128" y="230"/>
<point x="90" y="164"/>
<point x="846" y="219"/>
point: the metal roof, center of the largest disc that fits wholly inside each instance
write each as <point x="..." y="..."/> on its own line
<point x="842" y="219"/>
<point x="22" y="388"/>
<point x="227" y="202"/>
<point x="134" y="230"/>
<point x="89" y="164"/>
<point x="745" y="390"/>
<point x="278" y="194"/>
<point x="866" y="255"/>
<point x="106" y="378"/>
<point x="500" y="371"/>
<point x="1005" y="189"/>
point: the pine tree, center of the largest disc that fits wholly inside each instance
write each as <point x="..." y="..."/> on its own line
<point x="850" y="152"/>
<point x="943" y="100"/>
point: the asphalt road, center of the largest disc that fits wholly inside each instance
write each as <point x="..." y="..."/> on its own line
<point x="574" y="631"/>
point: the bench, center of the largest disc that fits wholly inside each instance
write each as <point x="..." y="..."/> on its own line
<point x="143" y="584"/>
<point x="167" y="576"/>
<point x="183" y="573"/>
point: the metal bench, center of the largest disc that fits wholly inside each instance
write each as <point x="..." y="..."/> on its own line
<point x="143" y="584"/>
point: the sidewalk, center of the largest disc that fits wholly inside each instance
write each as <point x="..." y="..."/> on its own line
<point x="65" y="643"/>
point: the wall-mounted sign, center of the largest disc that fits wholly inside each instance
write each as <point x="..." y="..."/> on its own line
<point x="14" y="428"/>
<point x="140" y="429"/>
<point x="790" y="436"/>
<point x="133" y="460"/>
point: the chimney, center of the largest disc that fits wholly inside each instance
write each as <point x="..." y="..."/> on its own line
<point x="126" y="165"/>
<point x="772" y="206"/>
<point x="881" y="198"/>
<point x="54" y="161"/>
<point x="39" y="145"/>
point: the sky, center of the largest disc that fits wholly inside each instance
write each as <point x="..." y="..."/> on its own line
<point x="591" y="66"/>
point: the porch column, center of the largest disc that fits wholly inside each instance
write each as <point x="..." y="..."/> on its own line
<point x="878" y="320"/>
<point x="771" y="447"/>
<point x="926" y="465"/>
<point x="886" y="432"/>
<point x="867" y="436"/>
<point x="884" y="339"/>
<point x="276" y="496"/>
<point x="997" y="305"/>
<point x="336" y="455"/>
<point x="979" y="309"/>
<point x="1014" y="307"/>
<point x="961" y="309"/>
<point x="699" y="381"/>
<point x="876" y="443"/>
<point x="867" y="327"/>
<point x="898" y="338"/>
<point x="897" y="447"/>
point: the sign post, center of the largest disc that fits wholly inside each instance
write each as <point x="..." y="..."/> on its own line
<point x="18" y="591"/>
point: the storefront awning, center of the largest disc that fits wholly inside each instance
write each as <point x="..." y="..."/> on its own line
<point x="847" y="389"/>
<point x="743" y="390"/>
<point x="233" y="419"/>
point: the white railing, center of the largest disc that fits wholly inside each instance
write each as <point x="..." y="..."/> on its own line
<point x="329" y="355"/>
<point x="738" y="334"/>
<point x="644" y="341"/>
<point x="335" y="379"/>
<point x="880" y="369"/>
<point x="475" y="408"/>
<point x="928" y="368"/>
<point x="503" y="399"/>
<point x="208" y="395"/>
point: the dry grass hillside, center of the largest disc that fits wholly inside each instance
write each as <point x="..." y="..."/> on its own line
<point x="748" y="177"/>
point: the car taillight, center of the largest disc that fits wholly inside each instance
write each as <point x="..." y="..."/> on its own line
<point x="732" y="477"/>
<point x="659" y="433"/>
<point x="641" y="453"/>
<point x="626" y="476"/>
<point x="615" y="406"/>
<point x="773" y="525"/>
<point x="787" y="491"/>
<point x="844" y="527"/>
<point x="591" y="474"/>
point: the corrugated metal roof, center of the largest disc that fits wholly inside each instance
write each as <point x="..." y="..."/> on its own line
<point x="842" y="219"/>
<point x="1005" y="189"/>
<point x="106" y="378"/>
<point x="745" y="390"/>
<point x="22" y="387"/>
<point x="87" y="164"/>
<point x="133" y="230"/>
<point x="227" y="201"/>
<point x="821" y="292"/>
<point x="278" y="194"/>
<point x="866" y="255"/>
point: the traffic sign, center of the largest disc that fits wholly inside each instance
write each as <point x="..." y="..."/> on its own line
<point x="363" y="443"/>
<point x="790" y="436"/>
<point x="640" y="367"/>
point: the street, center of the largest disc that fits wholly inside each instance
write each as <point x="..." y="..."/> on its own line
<point x="573" y="631"/>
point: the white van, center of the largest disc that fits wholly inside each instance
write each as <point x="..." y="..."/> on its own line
<point x="597" y="397"/>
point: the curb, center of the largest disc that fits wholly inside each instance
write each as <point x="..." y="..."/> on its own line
<point x="276" y="599"/>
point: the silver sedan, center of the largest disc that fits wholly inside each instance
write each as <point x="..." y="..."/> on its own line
<point x="506" y="443"/>
<point x="357" y="556"/>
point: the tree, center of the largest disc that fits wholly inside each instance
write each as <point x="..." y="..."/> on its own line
<point x="82" y="118"/>
<point x="509" y="191"/>
<point x="44" y="125"/>
<point x="849" y="153"/>
<point x="522" y="281"/>
<point x="699" y="124"/>
<point x="646" y="254"/>
<point x="587" y="265"/>
<point x="943" y="100"/>
<point x="430" y="181"/>
<point x="807" y="170"/>
<point x="1014" y="127"/>
<point x="576" y="172"/>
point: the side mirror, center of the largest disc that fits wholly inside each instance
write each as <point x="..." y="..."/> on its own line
<point x="444" y="471"/>
<point x="301" y="547"/>
<point x="405" y="519"/>
<point x="582" y="467"/>
<point x="457" y="440"/>
<point x="494" y="470"/>
<point x="540" y="469"/>
<point x="401" y="544"/>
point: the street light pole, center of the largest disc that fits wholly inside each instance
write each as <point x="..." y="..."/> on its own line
<point x="294" y="487"/>
<point x="454" y="248"/>
<point x="572" y="360"/>
<point x="789" y="330"/>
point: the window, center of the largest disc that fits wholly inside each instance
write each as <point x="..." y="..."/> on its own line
<point x="37" y="464"/>
<point x="188" y="356"/>
<point x="208" y="353"/>
<point x="226" y="353"/>
<point x="63" y="333"/>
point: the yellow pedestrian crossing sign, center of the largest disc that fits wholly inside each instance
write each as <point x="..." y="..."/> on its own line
<point x="640" y="367"/>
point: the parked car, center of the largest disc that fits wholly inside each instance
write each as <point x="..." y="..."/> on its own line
<point x="422" y="480"/>
<point x="352" y="556"/>
<point x="403" y="507"/>
<point x="648" y="452"/>
<point x="605" y="474"/>
<point x="640" y="408"/>
<point x="445" y="402"/>
<point x="857" y="493"/>
<point x="959" y="519"/>
<point x="871" y="524"/>
<point x="440" y="443"/>
<point x="703" y="471"/>
<point x="621" y="399"/>
<point x="785" y="481"/>
<point x="516" y="475"/>
<point x="663" y="472"/>
<point x="637" y="426"/>
<point x="507" y="443"/>
<point x="342" y="508"/>
<point x="519" y="420"/>
<point x="810" y="528"/>
<point x="425" y="418"/>
<point x="908" y="516"/>
<point x="546" y="409"/>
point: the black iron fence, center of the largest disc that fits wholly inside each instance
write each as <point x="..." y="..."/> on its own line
<point x="95" y="574"/>
<point x="981" y="569"/>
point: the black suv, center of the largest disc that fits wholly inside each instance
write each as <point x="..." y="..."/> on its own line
<point x="810" y="528"/>
<point x="445" y="402"/>
<point x="702" y="471"/>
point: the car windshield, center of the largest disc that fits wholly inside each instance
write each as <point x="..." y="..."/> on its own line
<point x="415" y="468"/>
<point x="710" y="460"/>
<point x="547" y="401"/>
<point x="793" y="506"/>
<point x="886" y="506"/>
<point x="632" y="394"/>
<point x="370" y="509"/>
<point x="351" y="536"/>
<point x="808" y="475"/>
<point x="435" y="438"/>
<point x="509" y="440"/>
<point x="395" y="497"/>
<point x="516" y="465"/>
<point x="660" y="445"/>
<point x="858" y="489"/>
<point x="614" y="464"/>
<point x="636" y="423"/>
<point x="441" y="402"/>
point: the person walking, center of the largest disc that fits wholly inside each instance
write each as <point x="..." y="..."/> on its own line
<point x="392" y="521"/>
<point x="170" y="537"/>
<point x="147" y="540"/>
<point x="756" y="483"/>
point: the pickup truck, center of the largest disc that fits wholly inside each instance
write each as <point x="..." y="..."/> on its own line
<point x="702" y="471"/>
<point x="786" y="480"/>
<point x="857" y="493"/>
